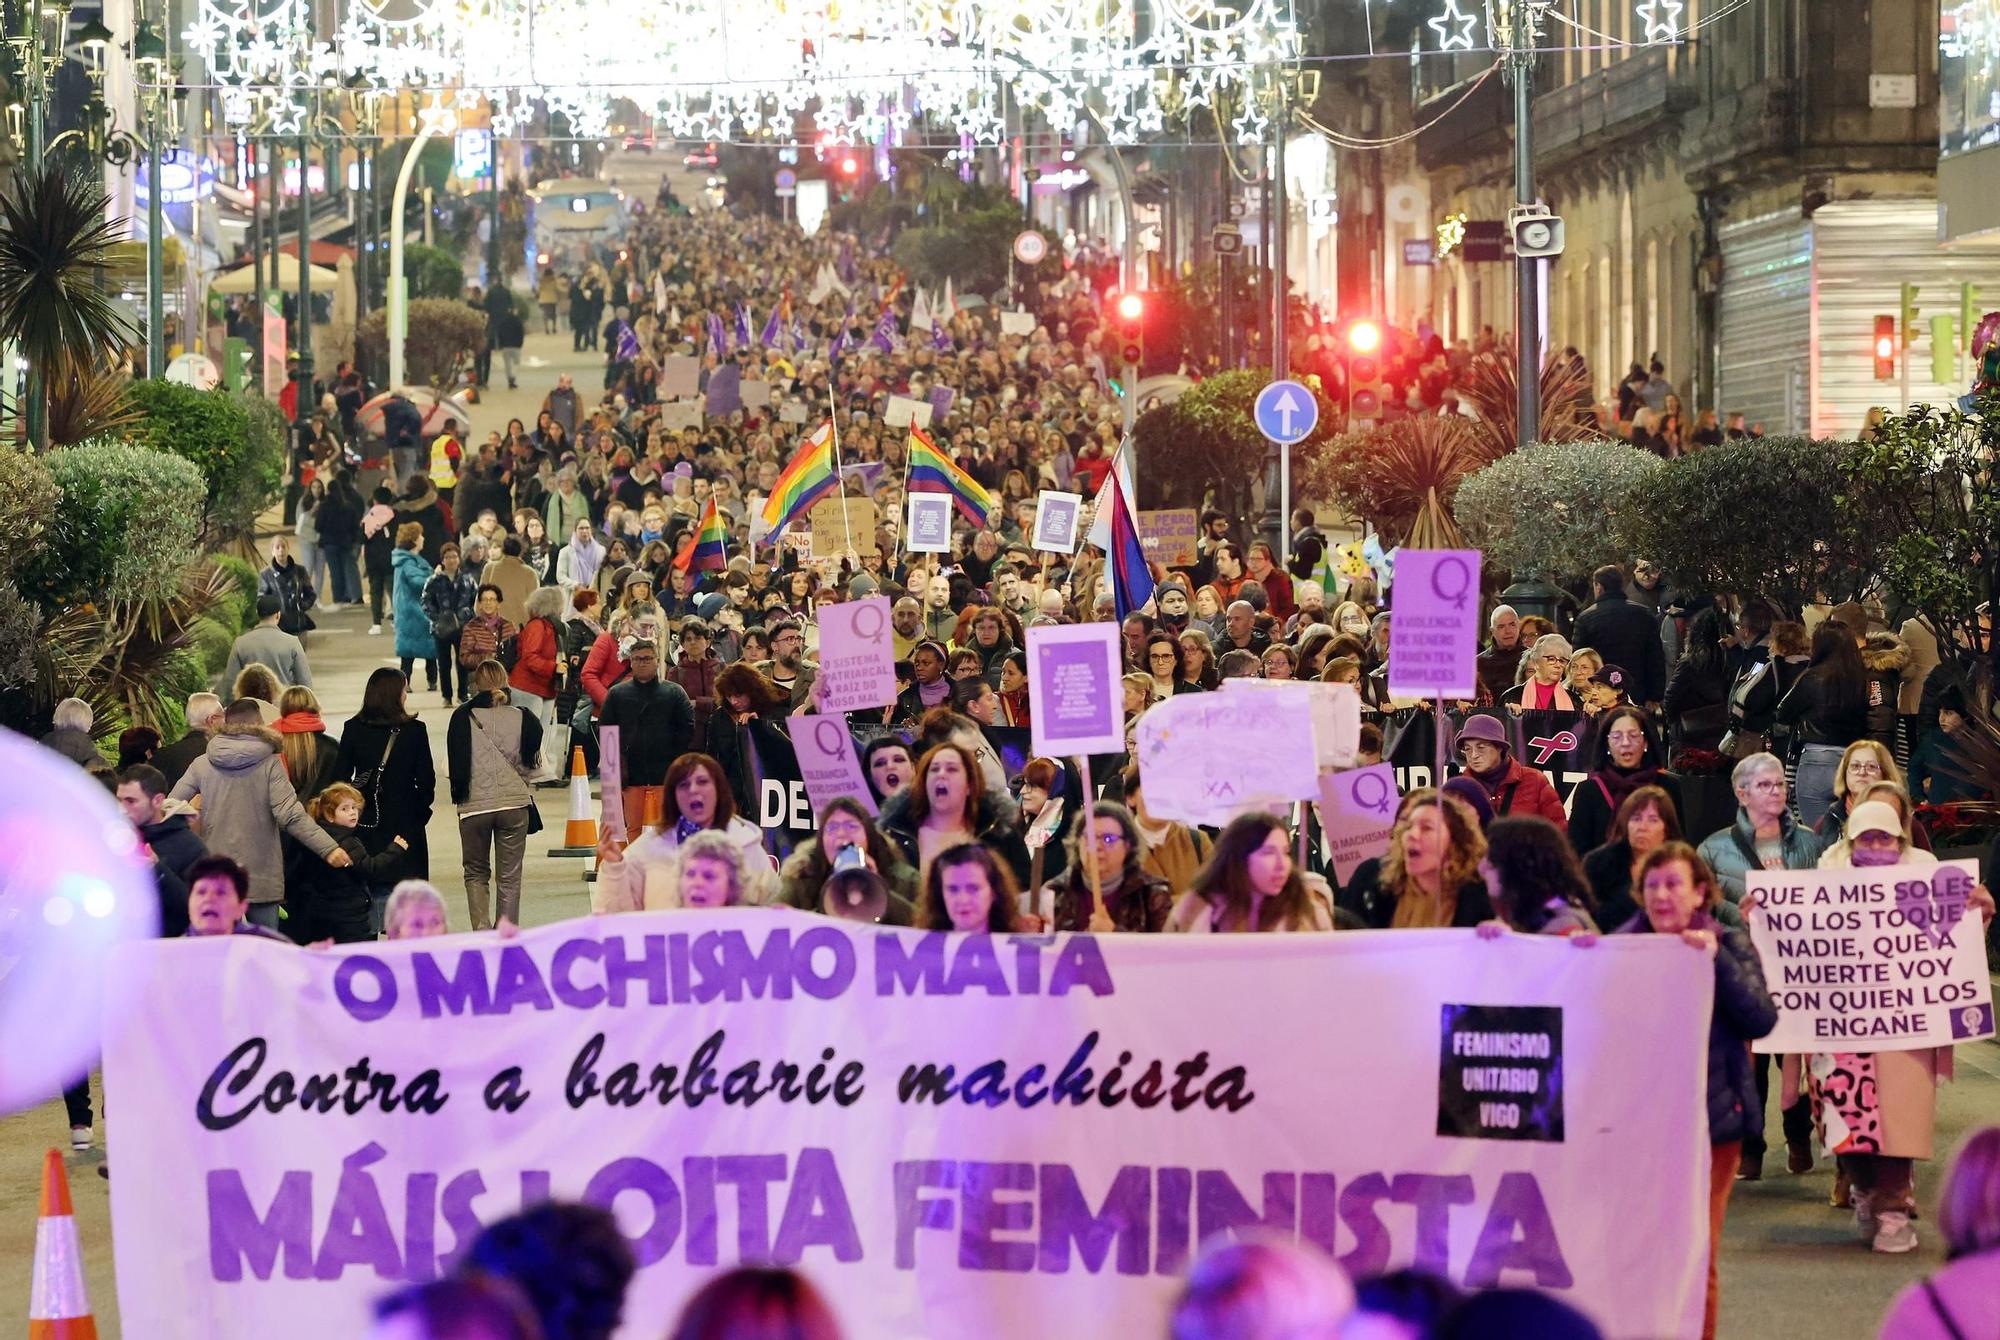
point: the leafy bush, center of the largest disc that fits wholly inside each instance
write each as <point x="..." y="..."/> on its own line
<point x="243" y="588"/>
<point x="1760" y="517"/>
<point x="126" y="528"/>
<point x="970" y="247"/>
<point x="433" y="272"/>
<point x="212" y="640"/>
<point x="231" y="445"/>
<point x="1554" y="510"/>
<point x="442" y="338"/>
<point x="18" y="623"/>
<point x="28" y="497"/>
<point x="1401" y="478"/>
<point x="1207" y="438"/>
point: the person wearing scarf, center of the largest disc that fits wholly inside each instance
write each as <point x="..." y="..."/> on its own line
<point x="580" y="560"/>
<point x="1625" y="755"/>
<point x="302" y="742"/>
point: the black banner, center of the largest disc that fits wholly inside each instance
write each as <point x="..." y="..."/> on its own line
<point x="1556" y="743"/>
<point x="1500" y="1072"/>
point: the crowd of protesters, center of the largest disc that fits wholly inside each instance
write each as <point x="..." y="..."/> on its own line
<point x="545" y="579"/>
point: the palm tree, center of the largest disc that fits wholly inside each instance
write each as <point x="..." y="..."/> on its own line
<point x="55" y="249"/>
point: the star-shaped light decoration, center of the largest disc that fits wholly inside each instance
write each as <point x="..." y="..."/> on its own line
<point x="1662" y="19"/>
<point x="1454" y="17"/>
<point x="437" y="117"/>
<point x="287" y="116"/>
<point x="1250" y="124"/>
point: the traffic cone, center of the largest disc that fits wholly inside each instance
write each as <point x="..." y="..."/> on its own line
<point x="58" y="1308"/>
<point x="582" y="828"/>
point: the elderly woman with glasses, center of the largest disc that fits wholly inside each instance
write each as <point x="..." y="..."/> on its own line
<point x="1543" y="689"/>
<point x="1132" y="897"/>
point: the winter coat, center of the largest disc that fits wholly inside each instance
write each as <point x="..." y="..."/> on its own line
<point x="1816" y="719"/>
<point x="1002" y="834"/>
<point x="1743" y="1013"/>
<point x="1932" y="772"/>
<point x="175" y="847"/>
<point x="324" y="903"/>
<point x="1374" y="903"/>
<point x="174" y="760"/>
<point x="409" y="575"/>
<point x="1591" y="807"/>
<point x="1496" y="666"/>
<point x="246" y="801"/>
<point x="760" y="874"/>
<point x="484" y="639"/>
<point x="1520" y="789"/>
<point x="74" y="745"/>
<point x="1628" y="636"/>
<point x="402" y="422"/>
<point x="1967" y="1291"/>
<point x="517" y="581"/>
<point x="1732" y="852"/>
<point x="1138" y="902"/>
<point x="428" y="512"/>
<point x="268" y="646"/>
<point x="482" y="783"/>
<point x="602" y="668"/>
<point x="407" y="788"/>
<point x="294" y="588"/>
<point x="655" y="726"/>
<point x="1887" y="659"/>
<point x="446" y="593"/>
<point x="339" y="518"/>
<point x="538" y="652"/>
<point x="1692" y="688"/>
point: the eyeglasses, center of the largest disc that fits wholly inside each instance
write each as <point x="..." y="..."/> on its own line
<point x="1110" y="840"/>
<point x="1772" y="787"/>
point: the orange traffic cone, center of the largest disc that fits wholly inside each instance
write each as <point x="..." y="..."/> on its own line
<point x="582" y="828"/>
<point x="57" y="1306"/>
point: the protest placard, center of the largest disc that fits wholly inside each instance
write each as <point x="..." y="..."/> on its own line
<point x="839" y="524"/>
<point x="681" y="414"/>
<point x="1017" y="323"/>
<point x="1168" y="536"/>
<point x="828" y="761"/>
<point x="857" y="658"/>
<point x="1334" y="710"/>
<point x="680" y="375"/>
<point x="1871" y="959"/>
<point x="1207" y="757"/>
<point x="1055" y="521"/>
<point x="1076" y="704"/>
<point x="792" y="411"/>
<point x="867" y="1104"/>
<point x="1434" y="624"/>
<point x="902" y="411"/>
<point x="1357" y="812"/>
<point x="611" y="787"/>
<point x="756" y="394"/>
<point x="928" y="530"/>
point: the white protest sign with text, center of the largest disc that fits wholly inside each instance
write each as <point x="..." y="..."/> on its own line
<point x="1207" y="757"/>
<point x="1334" y="710"/>
<point x="1076" y="703"/>
<point x="902" y="411"/>
<point x="928" y="529"/>
<point x="1434" y="624"/>
<point x="857" y="658"/>
<point x="1055" y="521"/>
<point x="1871" y="959"/>
<point x="828" y="762"/>
<point x="1357" y="813"/>
<point x="926" y="1125"/>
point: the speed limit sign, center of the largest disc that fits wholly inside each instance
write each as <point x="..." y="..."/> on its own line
<point x="1030" y="246"/>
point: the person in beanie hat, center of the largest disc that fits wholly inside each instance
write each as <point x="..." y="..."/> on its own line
<point x="1511" y="787"/>
<point x="862" y="586"/>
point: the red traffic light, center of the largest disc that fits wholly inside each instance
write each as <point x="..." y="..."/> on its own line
<point x="849" y="166"/>
<point x="1885" y="348"/>
<point x="1131" y="307"/>
<point x="1364" y="337"/>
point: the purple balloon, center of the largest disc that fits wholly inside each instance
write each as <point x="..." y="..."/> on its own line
<point x="73" y="887"/>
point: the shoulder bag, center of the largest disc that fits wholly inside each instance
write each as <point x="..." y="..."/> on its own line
<point x="368" y="781"/>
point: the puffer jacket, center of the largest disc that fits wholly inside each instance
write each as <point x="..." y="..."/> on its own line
<point x="246" y="802"/>
<point x="1743" y="1013"/>
<point x="413" y="624"/>
<point x="1887" y="658"/>
<point x="1732" y="852"/>
<point x="480" y="782"/>
<point x="1524" y="790"/>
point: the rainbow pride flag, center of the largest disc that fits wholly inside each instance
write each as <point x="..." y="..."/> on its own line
<point x="931" y="471"/>
<point x="711" y="543"/>
<point x="805" y="481"/>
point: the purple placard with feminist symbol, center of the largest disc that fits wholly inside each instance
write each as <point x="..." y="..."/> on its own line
<point x="1434" y="624"/>
<point x="1075" y="699"/>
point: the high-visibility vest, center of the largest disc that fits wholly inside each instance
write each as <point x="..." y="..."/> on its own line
<point x="443" y="473"/>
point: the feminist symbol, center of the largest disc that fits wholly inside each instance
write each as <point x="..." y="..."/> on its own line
<point x="1454" y="598"/>
<point x="1547" y="747"/>
<point x="1377" y="799"/>
<point x="828" y="745"/>
<point x="877" y="620"/>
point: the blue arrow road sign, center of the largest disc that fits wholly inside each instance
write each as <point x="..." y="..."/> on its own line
<point x="1286" y="412"/>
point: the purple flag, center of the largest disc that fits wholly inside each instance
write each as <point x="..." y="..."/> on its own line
<point x="941" y="337"/>
<point x="838" y="347"/>
<point x="627" y="345"/>
<point x="742" y="326"/>
<point x="769" y="339"/>
<point x="884" y="337"/>
<point x="725" y="391"/>
<point x="718" y="339"/>
<point x="844" y="264"/>
<point x="941" y="398"/>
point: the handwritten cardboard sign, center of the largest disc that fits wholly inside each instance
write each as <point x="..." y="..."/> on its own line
<point x="1168" y="536"/>
<point x="1207" y="757"/>
<point x="902" y="411"/>
<point x="1434" y="626"/>
<point x="839" y="524"/>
